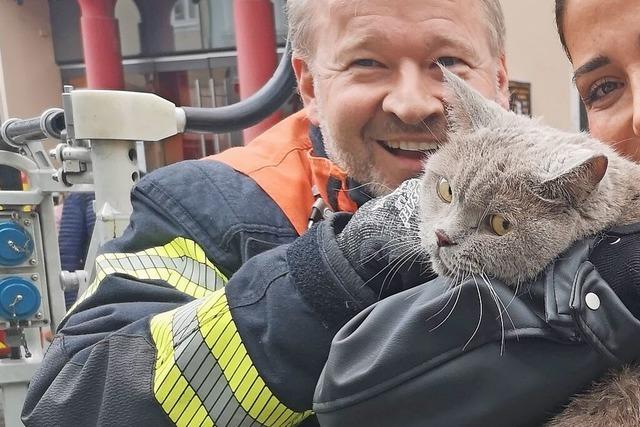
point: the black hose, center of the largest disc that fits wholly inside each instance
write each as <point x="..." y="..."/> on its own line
<point x="50" y="124"/>
<point x="250" y="111"/>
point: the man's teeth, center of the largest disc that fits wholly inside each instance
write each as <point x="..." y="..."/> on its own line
<point x="411" y="146"/>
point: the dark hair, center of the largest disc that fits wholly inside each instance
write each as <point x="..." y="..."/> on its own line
<point x="561" y="7"/>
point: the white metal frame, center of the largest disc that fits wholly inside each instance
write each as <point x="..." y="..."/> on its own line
<point x="98" y="154"/>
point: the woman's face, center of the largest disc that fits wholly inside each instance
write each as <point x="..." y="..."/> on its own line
<point x="603" y="39"/>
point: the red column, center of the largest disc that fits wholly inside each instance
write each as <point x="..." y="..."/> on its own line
<point x="257" y="59"/>
<point x="101" y="44"/>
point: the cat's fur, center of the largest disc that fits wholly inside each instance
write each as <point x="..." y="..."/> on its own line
<point x="553" y="187"/>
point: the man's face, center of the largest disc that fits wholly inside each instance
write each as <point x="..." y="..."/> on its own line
<point x="602" y="38"/>
<point x="373" y="85"/>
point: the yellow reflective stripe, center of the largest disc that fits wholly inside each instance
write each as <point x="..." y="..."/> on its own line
<point x="2" y="346"/>
<point x="181" y="263"/>
<point x="222" y="339"/>
<point x="177" y="398"/>
<point x="190" y="376"/>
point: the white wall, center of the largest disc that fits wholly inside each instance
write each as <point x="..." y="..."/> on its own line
<point x="535" y="55"/>
<point x="29" y="77"/>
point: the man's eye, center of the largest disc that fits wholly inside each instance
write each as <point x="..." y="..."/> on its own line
<point x="366" y="63"/>
<point x="601" y="89"/>
<point x="449" y="61"/>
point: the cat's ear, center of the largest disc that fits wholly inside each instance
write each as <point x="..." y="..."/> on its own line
<point x="575" y="184"/>
<point x="467" y="109"/>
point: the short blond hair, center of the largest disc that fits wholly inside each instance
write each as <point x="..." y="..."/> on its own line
<point x="300" y="15"/>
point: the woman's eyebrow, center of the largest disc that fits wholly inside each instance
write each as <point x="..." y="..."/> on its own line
<point x="591" y="65"/>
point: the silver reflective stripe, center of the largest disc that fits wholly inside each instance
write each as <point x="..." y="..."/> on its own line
<point x="201" y="370"/>
<point x="209" y="354"/>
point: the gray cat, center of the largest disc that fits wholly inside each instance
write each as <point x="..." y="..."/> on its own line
<point x="506" y="195"/>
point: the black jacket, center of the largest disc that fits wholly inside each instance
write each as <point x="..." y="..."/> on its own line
<point x="477" y="355"/>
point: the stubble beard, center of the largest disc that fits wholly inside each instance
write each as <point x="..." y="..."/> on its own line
<point x="358" y="165"/>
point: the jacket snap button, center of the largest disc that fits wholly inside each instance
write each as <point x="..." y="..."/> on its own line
<point x="592" y="300"/>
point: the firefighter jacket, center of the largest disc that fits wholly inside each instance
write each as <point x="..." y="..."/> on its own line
<point x="194" y="317"/>
<point x="212" y="310"/>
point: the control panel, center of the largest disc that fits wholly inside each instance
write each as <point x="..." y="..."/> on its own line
<point x="23" y="287"/>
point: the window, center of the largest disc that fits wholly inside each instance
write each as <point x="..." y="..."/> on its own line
<point x="185" y="14"/>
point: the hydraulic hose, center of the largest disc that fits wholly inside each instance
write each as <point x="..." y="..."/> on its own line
<point x="250" y="111"/>
<point x="50" y="124"/>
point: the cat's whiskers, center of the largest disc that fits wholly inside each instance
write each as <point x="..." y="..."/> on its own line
<point x="368" y="186"/>
<point x="479" y="317"/>
<point x="505" y="308"/>
<point x="400" y="264"/>
<point x="457" y="293"/>
<point x="498" y="302"/>
<point x="620" y="141"/>
<point x="516" y="291"/>
<point x="484" y="215"/>
<point x="358" y="187"/>
<point x="392" y="246"/>
<point x="424" y="123"/>
<point x="396" y="265"/>
<point x="458" y="276"/>
<point x="399" y="244"/>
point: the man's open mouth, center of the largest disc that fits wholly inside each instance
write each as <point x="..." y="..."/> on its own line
<point x="417" y="150"/>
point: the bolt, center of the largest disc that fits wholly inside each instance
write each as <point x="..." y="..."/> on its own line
<point x="27" y="222"/>
<point x="34" y="277"/>
<point x="33" y="262"/>
<point x="39" y="315"/>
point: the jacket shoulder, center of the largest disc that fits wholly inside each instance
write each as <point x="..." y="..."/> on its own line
<point x="223" y="209"/>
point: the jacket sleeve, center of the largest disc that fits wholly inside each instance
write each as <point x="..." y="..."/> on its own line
<point x="165" y="336"/>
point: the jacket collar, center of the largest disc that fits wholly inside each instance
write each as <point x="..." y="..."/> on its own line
<point x="356" y="191"/>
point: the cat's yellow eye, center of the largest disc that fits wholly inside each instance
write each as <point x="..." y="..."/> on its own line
<point x="499" y="224"/>
<point x="444" y="190"/>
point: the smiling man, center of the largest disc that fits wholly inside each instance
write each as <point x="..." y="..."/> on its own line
<point x="218" y="306"/>
<point x="372" y="84"/>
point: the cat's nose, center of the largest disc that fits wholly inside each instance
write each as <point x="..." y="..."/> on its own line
<point x="443" y="239"/>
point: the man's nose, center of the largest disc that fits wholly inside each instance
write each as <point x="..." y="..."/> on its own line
<point x="415" y="96"/>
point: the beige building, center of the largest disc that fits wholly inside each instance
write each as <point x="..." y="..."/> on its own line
<point x="29" y="76"/>
<point x="535" y="56"/>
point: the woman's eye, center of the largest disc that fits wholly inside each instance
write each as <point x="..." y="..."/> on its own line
<point x="600" y="89"/>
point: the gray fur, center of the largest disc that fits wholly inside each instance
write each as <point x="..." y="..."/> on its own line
<point x="554" y="187"/>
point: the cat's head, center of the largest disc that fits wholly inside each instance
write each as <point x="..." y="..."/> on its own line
<point x="501" y="197"/>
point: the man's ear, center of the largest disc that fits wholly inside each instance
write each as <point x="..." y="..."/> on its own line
<point x="502" y="81"/>
<point x="306" y="88"/>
